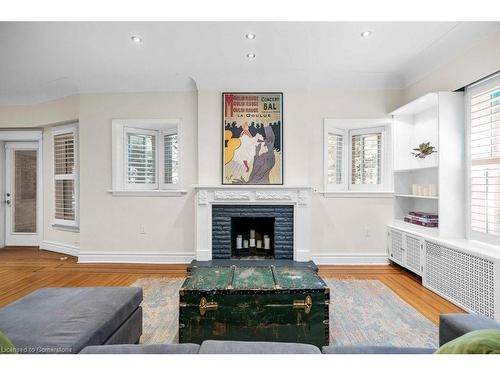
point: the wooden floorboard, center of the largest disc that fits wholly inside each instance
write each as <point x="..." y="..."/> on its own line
<point x="26" y="269"/>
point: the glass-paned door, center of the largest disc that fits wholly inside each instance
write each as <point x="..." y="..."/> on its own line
<point x="21" y="193"/>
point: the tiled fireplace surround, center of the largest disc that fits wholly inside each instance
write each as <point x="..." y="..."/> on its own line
<point x="241" y="197"/>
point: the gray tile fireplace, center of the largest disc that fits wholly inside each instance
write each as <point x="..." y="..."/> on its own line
<point x="276" y="222"/>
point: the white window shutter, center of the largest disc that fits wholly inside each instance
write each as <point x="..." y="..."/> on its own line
<point x="65" y="177"/>
<point x="171" y="159"/>
<point x="141" y="158"/>
<point x="484" y="107"/>
<point x="366" y="158"/>
<point x="335" y="163"/>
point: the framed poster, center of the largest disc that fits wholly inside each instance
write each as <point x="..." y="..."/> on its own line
<point x="252" y="141"/>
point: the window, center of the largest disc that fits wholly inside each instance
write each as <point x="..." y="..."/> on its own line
<point x="366" y="156"/>
<point x="355" y="156"/>
<point x="335" y="154"/>
<point x="145" y="155"/>
<point x="65" y="175"/>
<point x="483" y="107"/>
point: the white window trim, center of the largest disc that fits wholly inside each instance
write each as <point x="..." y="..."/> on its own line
<point x="351" y="127"/>
<point x="470" y="234"/>
<point x="120" y="186"/>
<point x="67" y="129"/>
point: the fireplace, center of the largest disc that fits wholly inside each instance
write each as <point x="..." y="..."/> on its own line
<point x="252" y="237"/>
<point x="288" y="205"/>
<point x="252" y="231"/>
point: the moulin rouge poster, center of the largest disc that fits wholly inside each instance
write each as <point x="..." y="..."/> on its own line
<point x="252" y="144"/>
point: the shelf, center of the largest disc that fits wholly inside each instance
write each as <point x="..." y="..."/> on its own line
<point x="473" y="247"/>
<point x="415" y="169"/>
<point x="417" y="196"/>
<point x="414" y="228"/>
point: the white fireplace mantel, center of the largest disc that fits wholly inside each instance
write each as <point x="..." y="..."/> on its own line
<point x="208" y="195"/>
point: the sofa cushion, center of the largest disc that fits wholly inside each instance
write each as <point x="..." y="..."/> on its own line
<point x="251" y="347"/>
<point x="483" y="341"/>
<point x="143" y="349"/>
<point x="6" y="346"/>
<point x="452" y="326"/>
<point x="375" y="350"/>
<point x="65" y="320"/>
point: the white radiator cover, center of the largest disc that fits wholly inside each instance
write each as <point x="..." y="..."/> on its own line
<point x="467" y="280"/>
<point x="462" y="275"/>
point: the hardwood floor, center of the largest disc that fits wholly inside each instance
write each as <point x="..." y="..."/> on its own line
<point x="25" y="269"/>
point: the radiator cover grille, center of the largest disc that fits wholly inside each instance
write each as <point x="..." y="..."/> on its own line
<point x="466" y="279"/>
<point x="413" y="253"/>
<point x="397" y="246"/>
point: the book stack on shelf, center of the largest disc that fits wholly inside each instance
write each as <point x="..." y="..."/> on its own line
<point x="423" y="219"/>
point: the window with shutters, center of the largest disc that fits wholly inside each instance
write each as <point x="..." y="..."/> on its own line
<point x="356" y="157"/>
<point x="335" y="163"/>
<point x="145" y="155"/>
<point x="483" y="107"/>
<point x="366" y="158"/>
<point x="65" y="143"/>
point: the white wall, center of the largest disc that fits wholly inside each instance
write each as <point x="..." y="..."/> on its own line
<point x="38" y="115"/>
<point x="110" y="224"/>
<point x="469" y="66"/>
<point x="340" y="225"/>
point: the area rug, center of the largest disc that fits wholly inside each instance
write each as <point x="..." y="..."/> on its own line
<point x="362" y="312"/>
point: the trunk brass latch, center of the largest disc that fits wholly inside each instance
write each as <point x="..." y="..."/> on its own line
<point x="305" y="304"/>
<point x="207" y="306"/>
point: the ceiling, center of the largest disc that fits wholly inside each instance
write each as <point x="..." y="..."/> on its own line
<point x="46" y="60"/>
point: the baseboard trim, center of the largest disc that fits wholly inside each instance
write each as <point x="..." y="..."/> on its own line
<point x="350" y="259"/>
<point x="150" y="258"/>
<point x="59" y="248"/>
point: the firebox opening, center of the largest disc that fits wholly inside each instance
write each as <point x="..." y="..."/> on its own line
<point x="252" y="237"/>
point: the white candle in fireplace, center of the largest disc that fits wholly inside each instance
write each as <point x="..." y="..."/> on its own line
<point x="239" y="241"/>
<point x="259" y="244"/>
<point x="252" y="242"/>
<point x="267" y="242"/>
<point x="252" y="234"/>
<point x="245" y="244"/>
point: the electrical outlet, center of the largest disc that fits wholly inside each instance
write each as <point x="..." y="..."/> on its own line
<point x="142" y="229"/>
<point x="367" y="231"/>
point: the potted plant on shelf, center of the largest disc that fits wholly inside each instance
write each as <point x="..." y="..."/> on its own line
<point x="423" y="150"/>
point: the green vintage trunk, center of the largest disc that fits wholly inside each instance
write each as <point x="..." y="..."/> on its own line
<point x="254" y="304"/>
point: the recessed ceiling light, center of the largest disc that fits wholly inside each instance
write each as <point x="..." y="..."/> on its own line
<point x="366" y="33"/>
<point x="250" y="36"/>
<point x="136" y="39"/>
<point x="251" y="55"/>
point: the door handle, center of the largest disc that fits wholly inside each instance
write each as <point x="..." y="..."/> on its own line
<point x="7" y="201"/>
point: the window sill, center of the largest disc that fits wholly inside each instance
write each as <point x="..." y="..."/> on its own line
<point x="66" y="228"/>
<point x="358" y="194"/>
<point x="147" y="193"/>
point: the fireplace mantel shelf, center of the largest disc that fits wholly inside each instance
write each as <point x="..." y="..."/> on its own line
<point x="252" y="187"/>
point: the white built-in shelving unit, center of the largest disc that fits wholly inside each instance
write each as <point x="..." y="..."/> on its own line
<point x="465" y="272"/>
<point x="436" y="118"/>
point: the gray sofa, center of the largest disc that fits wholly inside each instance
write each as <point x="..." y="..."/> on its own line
<point x="109" y="321"/>
<point x="451" y="326"/>
<point x="66" y="320"/>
